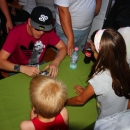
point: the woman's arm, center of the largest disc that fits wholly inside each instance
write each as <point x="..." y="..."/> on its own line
<point x="82" y="98"/>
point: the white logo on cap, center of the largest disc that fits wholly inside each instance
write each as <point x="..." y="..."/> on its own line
<point x="43" y="18"/>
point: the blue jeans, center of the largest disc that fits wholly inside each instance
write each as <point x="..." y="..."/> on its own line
<point x="80" y="36"/>
<point x="118" y="121"/>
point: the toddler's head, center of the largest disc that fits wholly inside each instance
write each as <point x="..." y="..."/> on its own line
<point x="47" y="95"/>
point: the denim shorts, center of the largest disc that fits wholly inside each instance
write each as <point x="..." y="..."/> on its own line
<point x="118" y="121"/>
<point x="80" y="36"/>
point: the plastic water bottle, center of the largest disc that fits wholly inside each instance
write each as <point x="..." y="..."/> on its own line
<point x="74" y="58"/>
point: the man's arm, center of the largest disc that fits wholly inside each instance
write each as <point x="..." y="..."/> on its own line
<point x="65" y="19"/>
<point x="61" y="53"/>
<point x="98" y="6"/>
<point x="9" y="66"/>
<point x="4" y="8"/>
<point x="4" y="63"/>
<point x="59" y="57"/>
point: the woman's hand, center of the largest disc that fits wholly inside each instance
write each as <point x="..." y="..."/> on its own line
<point x="78" y="89"/>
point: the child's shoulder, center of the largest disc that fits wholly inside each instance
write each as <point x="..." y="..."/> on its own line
<point x="27" y="125"/>
<point x="102" y="76"/>
<point x="64" y="114"/>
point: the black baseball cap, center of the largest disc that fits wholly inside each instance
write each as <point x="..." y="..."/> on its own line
<point x="41" y="18"/>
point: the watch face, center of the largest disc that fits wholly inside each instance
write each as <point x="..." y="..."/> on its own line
<point x="17" y="68"/>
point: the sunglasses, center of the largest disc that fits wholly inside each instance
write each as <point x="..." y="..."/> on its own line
<point x="38" y="29"/>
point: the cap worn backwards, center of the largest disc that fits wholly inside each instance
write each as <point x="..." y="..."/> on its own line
<point x="41" y="18"/>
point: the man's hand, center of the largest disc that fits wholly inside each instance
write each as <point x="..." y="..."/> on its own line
<point x="53" y="69"/>
<point x="9" y="25"/>
<point x="29" y="70"/>
<point x="70" y="48"/>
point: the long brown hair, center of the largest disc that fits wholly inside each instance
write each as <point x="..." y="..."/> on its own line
<point x="112" y="56"/>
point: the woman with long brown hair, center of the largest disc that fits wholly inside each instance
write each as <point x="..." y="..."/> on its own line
<point x="109" y="79"/>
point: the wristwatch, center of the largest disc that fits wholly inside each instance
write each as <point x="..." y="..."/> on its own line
<point x="17" y="68"/>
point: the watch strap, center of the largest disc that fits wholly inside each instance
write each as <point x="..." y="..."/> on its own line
<point x="17" y="68"/>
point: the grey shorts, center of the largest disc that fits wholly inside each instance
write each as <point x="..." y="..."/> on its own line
<point x="118" y="121"/>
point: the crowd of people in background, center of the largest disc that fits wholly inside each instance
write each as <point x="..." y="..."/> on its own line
<point x="26" y="44"/>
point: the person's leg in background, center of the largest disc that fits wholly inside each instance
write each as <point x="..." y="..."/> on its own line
<point x="60" y="32"/>
<point x="81" y="37"/>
